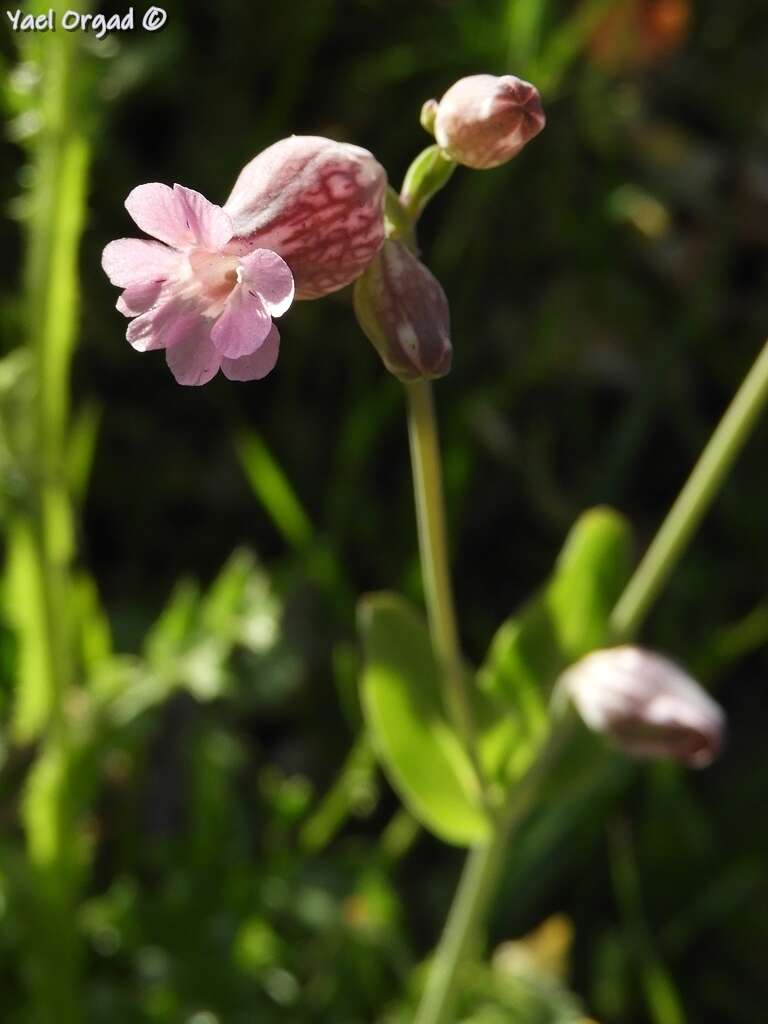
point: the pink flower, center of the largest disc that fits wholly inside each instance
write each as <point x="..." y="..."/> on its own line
<point x="646" y="705"/>
<point x="306" y="210"/>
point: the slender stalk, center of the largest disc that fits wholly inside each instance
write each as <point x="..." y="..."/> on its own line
<point x="694" y="500"/>
<point x="59" y="156"/>
<point x="463" y="928"/>
<point x="482" y="868"/>
<point x="433" y="547"/>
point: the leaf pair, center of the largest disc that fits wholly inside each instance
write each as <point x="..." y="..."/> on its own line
<point x="402" y="692"/>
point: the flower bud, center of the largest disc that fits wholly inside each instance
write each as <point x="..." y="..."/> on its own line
<point x="402" y="309"/>
<point x="646" y="705"/>
<point x="483" y="121"/>
<point x="318" y="203"/>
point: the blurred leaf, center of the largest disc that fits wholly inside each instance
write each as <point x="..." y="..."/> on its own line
<point x="273" y="489"/>
<point x="175" y="626"/>
<point x="525" y="19"/>
<point x="17" y="392"/>
<point x="566" y="620"/>
<point x="94" y="635"/>
<point x="567" y="41"/>
<point x="225" y="603"/>
<point x="353" y="787"/>
<point x="423" y="756"/>
<point x="662" y="999"/>
<point x="25" y="610"/>
<point x="83" y="436"/>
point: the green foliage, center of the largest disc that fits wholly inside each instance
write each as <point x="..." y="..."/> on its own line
<point x="566" y="619"/>
<point x="402" y="700"/>
<point x="607" y="292"/>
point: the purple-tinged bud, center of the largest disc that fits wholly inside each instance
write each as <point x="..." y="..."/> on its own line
<point x="646" y="705"/>
<point x="318" y="203"/>
<point x="402" y="309"/>
<point x="483" y="121"/>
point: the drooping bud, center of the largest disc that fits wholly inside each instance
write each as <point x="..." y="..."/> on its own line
<point x="483" y="121"/>
<point x="646" y="705"/>
<point x="402" y="309"/>
<point x="318" y="203"/>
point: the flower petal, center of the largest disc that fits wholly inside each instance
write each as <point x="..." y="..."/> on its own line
<point x="271" y="277"/>
<point x="258" y="364"/>
<point x="243" y="325"/>
<point x="179" y="216"/>
<point x="194" y="360"/>
<point x="140" y="298"/>
<point x="211" y="227"/>
<point x="132" y="261"/>
<point x="164" y="325"/>
<point x="157" y="210"/>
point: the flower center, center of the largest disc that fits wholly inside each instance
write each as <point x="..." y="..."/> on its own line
<point x="212" y="278"/>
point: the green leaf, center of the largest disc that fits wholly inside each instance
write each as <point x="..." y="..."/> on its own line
<point x="81" y="448"/>
<point x="568" y="618"/>
<point x="400" y="692"/>
<point x="24" y="600"/>
<point x="175" y="627"/>
<point x="591" y="573"/>
<point x="273" y="489"/>
<point x="93" y="635"/>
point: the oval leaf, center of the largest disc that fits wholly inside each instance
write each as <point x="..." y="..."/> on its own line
<point x="422" y="755"/>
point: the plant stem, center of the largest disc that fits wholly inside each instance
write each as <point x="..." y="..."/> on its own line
<point x="482" y="868"/>
<point x="466" y="919"/>
<point x="477" y="885"/>
<point x="60" y="157"/>
<point x="693" y="501"/>
<point x="430" y="516"/>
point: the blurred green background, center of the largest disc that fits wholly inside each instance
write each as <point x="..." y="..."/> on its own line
<point x="245" y="860"/>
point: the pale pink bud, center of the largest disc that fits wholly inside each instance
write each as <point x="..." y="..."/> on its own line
<point x="646" y="705"/>
<point x="402" y="309"/>
<point x="318" y="203"/>
<point x="483" y="121"/>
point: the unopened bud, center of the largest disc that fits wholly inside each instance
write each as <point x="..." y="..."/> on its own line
<point x="646" y="705"/>
<point x="316" y="202"/>
<point x="402" y="309"/>
<point x="483" y="121"/>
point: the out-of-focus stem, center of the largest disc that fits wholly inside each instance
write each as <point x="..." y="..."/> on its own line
<point x="60" y="156"/>
<point x="463" y="932"/>
<point x="693" y="501"/>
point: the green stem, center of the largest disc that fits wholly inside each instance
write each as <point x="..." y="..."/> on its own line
<point x="481" y="872"/>
<point x="430" y="515"/>
<point x="693" y="501"/>
<point x="60" y="156"/>
<point x="466" y="919"/>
